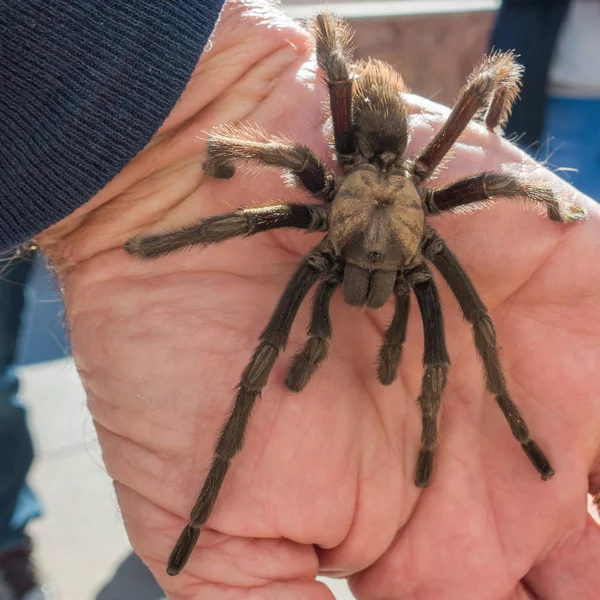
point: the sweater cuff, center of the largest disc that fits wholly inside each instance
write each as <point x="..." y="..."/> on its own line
<point x="83" y="87"/>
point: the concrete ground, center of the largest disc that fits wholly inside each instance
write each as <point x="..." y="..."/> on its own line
<point x="81" y="544"/>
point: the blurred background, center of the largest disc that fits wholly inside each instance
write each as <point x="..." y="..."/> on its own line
<point x="81" y="549"/>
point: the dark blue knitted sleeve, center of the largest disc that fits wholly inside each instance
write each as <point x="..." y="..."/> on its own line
<point x="84" y="84"/>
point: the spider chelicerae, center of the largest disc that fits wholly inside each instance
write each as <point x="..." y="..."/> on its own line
<point x="377" y="244"/>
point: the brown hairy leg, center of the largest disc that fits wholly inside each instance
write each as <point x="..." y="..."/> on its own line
<point x="273" y="340"/>
<point x="393" y="339"/>
<point x="246" y="221"/>
<point x="314" y="352"/>
<point x="494" y="84"/>
<point x="484" y="335"/>
<point x="488" y="186"/>
<point x="334" y="53"/>
<point x="242" y="142"/>
<point x="435" y="362"/>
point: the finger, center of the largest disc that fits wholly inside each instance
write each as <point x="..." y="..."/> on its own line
<point x="523" y="592"/>
<point x="571" y="571"/>
<point x="222" y="567"/>
<point x="594" y="489"/>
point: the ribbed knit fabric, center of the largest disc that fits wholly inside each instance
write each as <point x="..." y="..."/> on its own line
<point x="84" y="84"/>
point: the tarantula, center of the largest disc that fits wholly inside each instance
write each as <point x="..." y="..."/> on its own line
<point x="378" y="242"/>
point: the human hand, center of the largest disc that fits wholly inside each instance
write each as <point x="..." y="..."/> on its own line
<point x="325" y="481"/>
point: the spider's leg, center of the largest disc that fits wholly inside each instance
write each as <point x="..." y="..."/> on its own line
<point x="242" y="142"/>
<point x="488" y="186"/>
<point x="504" y="96"/>
<point x="393" y="339"/>
<point x="305" y="363"/>
<point x="246" y="221"/>
<point x="435" y="361"/>
<point x="485" y="342"/>
<point x="497" y="73"/>
<point x="254" y="377"/>
<point x="334" y="53"/>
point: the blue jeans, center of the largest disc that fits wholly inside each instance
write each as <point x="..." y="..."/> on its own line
<point x="572" y="139"/>
<point x="18" y="504"/>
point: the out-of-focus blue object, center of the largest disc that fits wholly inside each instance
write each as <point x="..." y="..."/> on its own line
<point x="571" y="141"/>
<point x="31" y="330"/>
<point x="43" y="333"/>
<point x="18" y="504"/>
<point x="530" y="28"/>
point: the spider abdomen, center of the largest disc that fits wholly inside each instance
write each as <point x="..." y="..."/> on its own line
<point x="376" y="225"/>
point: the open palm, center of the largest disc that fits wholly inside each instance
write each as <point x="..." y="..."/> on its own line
<point x="325" y="482"/>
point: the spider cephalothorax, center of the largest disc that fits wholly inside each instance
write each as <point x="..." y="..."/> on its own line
<point x="377" y="241"/>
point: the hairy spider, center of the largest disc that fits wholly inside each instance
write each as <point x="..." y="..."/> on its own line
<point x="378" y="242"/>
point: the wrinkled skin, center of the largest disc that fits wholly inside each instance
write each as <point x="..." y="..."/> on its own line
<point x="325" y="481"/>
